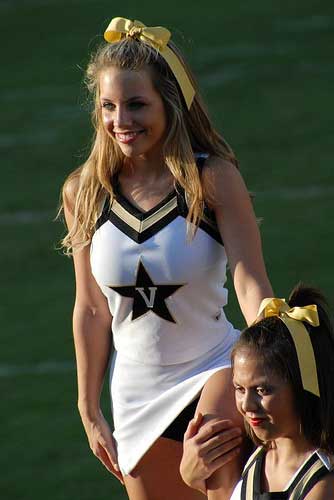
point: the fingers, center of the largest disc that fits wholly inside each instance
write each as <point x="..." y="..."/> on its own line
<point x="210" y="462"/>
<point x="193" y="426"/>
<point x="221" y="461"/>
<point x="216" y="444"/>
<point x="223" y="449"/>
<point x="109" y="447"/>
<point x="212" y="428"/>
<point x="224" y="437"/>
<point x="102" y="454"/>
<point x="102" y="444"/>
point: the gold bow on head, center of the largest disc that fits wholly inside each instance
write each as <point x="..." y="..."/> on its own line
<point x="120" y="27"/>
<point x="293" y="319"/>
<point x="158" y="37"/>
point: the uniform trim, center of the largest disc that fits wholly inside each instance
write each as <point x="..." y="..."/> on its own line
<point x="308" y="479"/>
<point x="143" y="228"/>
<point x="250" y="483"/>
<point x="252" y="459"/>
<point x="144" y="223"/>
<point x="310" y="473"/>
<point x="140" y="226"/>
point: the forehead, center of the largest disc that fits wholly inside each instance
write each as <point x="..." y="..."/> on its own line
<point x="116" y="81"/>
<point x="249" y="368"/>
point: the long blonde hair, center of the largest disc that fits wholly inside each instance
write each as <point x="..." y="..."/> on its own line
<point x="188" y="132"/>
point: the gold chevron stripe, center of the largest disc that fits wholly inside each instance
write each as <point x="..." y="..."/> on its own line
<point x="138" y="225"/>
<point x="250" y="482"/>
<point x="304" y="480"/>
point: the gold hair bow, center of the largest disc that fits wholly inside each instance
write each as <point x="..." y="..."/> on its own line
<point x="293" y="319"/>
<point x="158" y="37"/>
<point x="119" y="26"/>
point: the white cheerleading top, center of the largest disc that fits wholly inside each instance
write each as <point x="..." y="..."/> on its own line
<point x="165" y="293"/>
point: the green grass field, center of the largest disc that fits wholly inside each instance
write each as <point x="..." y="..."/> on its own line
<point x="266" y="70"/>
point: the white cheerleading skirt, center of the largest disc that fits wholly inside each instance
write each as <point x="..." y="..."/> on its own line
<point x="146" y="399"/>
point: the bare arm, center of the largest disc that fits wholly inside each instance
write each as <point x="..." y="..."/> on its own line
<point x="226" y="193"/>
<point x="229" y="198"/>
<point x="323" y="489"/>
<point x="92" y="336"/>
<point x="92" y="341"/>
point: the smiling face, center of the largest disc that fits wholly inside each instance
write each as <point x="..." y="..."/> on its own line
<point x="263" y="398"/>
<point x="133" y="112"/>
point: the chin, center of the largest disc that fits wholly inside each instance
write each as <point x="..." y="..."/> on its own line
<point x="129" y="152"/>
<point x="264" y="435"/>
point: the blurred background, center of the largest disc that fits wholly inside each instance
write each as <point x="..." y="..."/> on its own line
<point x="266" y="72"/>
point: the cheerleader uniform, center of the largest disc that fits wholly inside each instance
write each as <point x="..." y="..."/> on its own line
<point x="166" y="295"/>
<point x="314" y="468"/>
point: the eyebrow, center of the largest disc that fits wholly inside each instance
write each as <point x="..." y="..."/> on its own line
<point x="136" y="97"/>
<point x="258" y="382"/>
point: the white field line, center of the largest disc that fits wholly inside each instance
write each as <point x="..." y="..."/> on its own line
<point x="227" y="64"/>
<point x="14" y="4"/>
<point x="227" y="72"/>
<point x="48" y="367"/>
<point x="246" y="52"/>
<point x="304" y="24"/>
<point x="50" y="93"/>
<point x="40" y="135"/>
<point x="303" y="193"/>
<point x="38" y="138"/>
<point x="26" y="217"/>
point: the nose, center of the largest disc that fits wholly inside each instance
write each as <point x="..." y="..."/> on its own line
<point x="122" y="118"/>
<point x="249" y="402"/>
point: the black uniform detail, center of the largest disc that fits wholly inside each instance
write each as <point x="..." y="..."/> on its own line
<point x="178" y="427"/>
<point x="208" y="222"/>
<point x="148" y="296"/>
<point x="307" y="477"/>
<point x="140" y="226"/>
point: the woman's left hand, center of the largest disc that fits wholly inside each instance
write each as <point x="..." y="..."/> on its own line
<point x="206" y="448"/>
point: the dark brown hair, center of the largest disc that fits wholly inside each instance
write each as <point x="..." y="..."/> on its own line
<point x="273" y="344"/>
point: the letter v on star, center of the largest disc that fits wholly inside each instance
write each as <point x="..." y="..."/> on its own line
<point x="147" y="295"/>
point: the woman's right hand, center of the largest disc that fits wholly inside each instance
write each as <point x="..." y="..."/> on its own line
<point x="102" y="443"/>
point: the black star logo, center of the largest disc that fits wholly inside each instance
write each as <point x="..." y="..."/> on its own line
<point x="147" y="296"/>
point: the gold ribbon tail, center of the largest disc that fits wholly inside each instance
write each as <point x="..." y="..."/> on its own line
<point x="293" y="319"/>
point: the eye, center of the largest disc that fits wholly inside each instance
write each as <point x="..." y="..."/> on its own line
<point x="108" y="105"/>
<point x="238" y="389"/>
<point x="264" y="390"/>
<point x="136" y="104"/>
